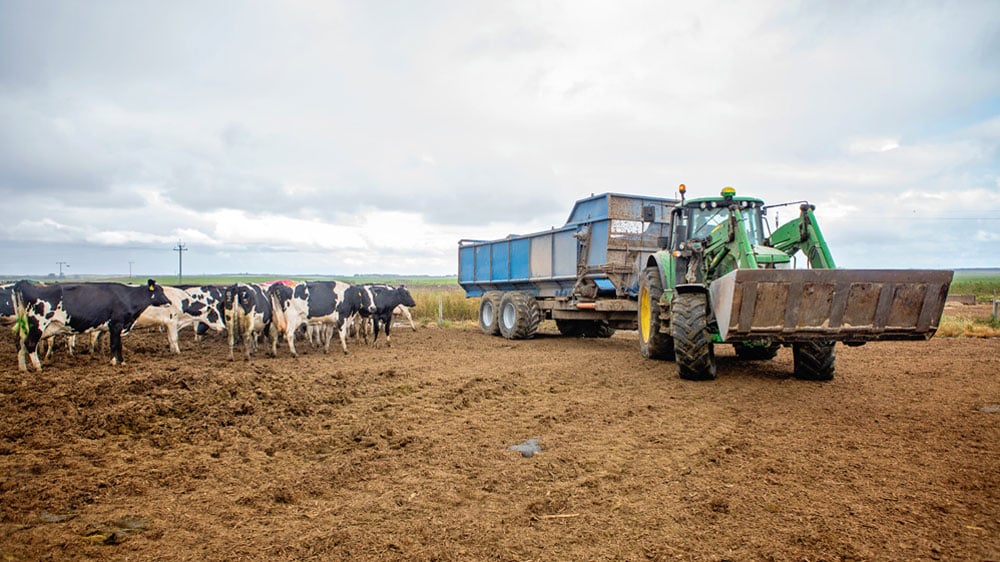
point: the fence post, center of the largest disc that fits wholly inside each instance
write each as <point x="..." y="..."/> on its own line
<point x="440" y="311"/>
<point x="996" y="307"/>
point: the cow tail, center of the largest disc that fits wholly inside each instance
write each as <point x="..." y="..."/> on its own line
<point x="20" y="328"/>
<point x="277" y="314"/>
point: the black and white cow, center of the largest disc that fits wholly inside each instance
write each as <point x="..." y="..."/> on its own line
<point x="328" y="304"/>
<point x="387" y="298"/>
<point x="205" y="305"/>
<point x="7" y="313"/>
<point x="248" y="314"/>
<point x="80" y="308"/>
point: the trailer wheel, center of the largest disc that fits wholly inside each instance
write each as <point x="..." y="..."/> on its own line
<point x="653" y="344"/>
<point x="814" y="361"/>
<point x="519" y="316"/>
<point x="489" y="311"/>
<point x="693" y="347"/>
<point x="597" y="329"/>
<point x="758" y="352"/>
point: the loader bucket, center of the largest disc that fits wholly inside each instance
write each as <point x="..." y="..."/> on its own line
<point x="847" y="305"/>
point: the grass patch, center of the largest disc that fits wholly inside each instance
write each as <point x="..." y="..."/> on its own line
<point x="455" y="307"/>
<point x="973" y="323"/>
<point x="983" y="283"/>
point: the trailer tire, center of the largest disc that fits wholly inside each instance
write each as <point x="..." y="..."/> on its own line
<point x="750" y="352"/>
<point x="814" y="361"/>
<point x="519" y="316"/>
<point x="695" y="354"/>
<point x="597" y="329"/>
<point x="489" y="313"/>
<point x="653" y="344"/>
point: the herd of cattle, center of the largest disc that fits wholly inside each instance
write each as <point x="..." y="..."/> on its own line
<point x="321" y="309"/>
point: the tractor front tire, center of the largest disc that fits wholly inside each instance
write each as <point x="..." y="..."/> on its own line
<point x="653" y="344"/>
<point x="814" y="361"/>
<point x="519" y="316"/>
<point x="489" y="313"/>
<point x="695" y="354"/>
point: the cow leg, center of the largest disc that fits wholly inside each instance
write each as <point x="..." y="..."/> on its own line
<point x="343" y="337"/>
<point x="249" y="344"/>
<point x="29" y="347"/>
<point x="290" y="336"/>
<point x="388" y="328"/>
<point x="115" y="341"/>
<point x="328" y="336"/>
<point x="272" y="333"/>
<point x="376" y="326"/>
<point x="95" y="342"/>
<point x="172" y="330"/>
<point x="406" y="312"/>
<point x="47" y="347"/>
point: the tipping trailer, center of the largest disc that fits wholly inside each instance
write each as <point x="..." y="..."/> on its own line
<point x="690" y="274"/>
<point x="583" y="275"/>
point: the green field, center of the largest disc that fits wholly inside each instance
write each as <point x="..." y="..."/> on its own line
<point x="984" y="283"/>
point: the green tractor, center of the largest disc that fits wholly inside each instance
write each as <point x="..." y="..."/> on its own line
<point x="720" y="278"/>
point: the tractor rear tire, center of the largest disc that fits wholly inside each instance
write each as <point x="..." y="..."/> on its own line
<point x="519" y="316"/>
<point x="750" y="352"/>
<point x="653" y="344"/>
<point x="814" y="361"/>
<point x="489" y="313"/>
<point x="695" y="354"/>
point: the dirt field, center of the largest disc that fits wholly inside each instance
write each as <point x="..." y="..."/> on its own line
<point x="402" y="454"/>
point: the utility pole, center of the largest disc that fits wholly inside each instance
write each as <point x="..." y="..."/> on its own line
<point x="61" y="264"/>
<point x="130" y="269"/>
<point x="180" y="249"/>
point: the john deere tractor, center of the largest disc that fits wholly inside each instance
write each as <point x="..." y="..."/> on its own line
<point x="722" y="279"/>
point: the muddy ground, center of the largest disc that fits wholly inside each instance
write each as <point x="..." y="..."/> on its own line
<point x="402" y="453"/>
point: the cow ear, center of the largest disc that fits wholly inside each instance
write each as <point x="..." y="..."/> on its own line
<point x="151" y="284"/>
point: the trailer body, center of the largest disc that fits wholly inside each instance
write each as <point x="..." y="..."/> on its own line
<point x="583" y="270"/>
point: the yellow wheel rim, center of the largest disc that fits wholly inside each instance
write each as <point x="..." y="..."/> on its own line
<point x="645" y="314"/>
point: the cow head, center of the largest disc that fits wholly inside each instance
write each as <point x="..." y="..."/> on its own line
<point x="404" y="296"/>
<point x="156" y="295"/>
<point x="367" y="298"/>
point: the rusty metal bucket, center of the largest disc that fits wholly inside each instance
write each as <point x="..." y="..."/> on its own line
<point x="847" y="305"/>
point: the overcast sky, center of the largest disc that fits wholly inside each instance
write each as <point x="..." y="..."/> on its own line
<point x="369" y="137"/>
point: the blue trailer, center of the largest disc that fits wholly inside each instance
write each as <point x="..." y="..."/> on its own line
<point x="584" y="274"/>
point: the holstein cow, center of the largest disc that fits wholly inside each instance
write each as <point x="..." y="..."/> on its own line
<point x="248" y="314"/>
<point x="205" y="304"/>
<point x="328" y="304"/>
<point x="80" y="308"/>
<point x="387" y="298"/>
<point x="7" y="313"/>
<point x="171" y="317"/>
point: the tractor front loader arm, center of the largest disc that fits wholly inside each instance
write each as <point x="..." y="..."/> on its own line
<point x="803" y="234"/>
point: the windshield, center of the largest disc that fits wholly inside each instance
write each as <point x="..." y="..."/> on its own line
<point x="703" y="221"/>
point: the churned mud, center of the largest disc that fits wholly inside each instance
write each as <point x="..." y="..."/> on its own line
<point x="404" y="453"/>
